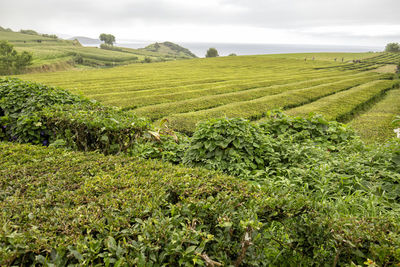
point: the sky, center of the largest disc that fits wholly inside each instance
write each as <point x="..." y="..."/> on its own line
<point x="324" y="22"/>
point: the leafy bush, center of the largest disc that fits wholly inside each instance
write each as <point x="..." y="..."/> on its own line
<point x="19" y="103"/>
<point x="313" y="127"/>
<point x="231" y="145"/>
<point x="33" y="113"/>
<point x="90" y="126"/>
<point x="110" y="47"/>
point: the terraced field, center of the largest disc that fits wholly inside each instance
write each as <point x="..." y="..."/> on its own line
<point x="340" y="86"/>
<point x="52" y="53"/>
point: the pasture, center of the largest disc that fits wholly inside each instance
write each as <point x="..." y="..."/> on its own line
<point x="186" y="92"/>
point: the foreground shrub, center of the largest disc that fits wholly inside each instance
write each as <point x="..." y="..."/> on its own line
<point x="314" y="127"/>
<point x="234" y="146"/>
<point x="61" y="207"/>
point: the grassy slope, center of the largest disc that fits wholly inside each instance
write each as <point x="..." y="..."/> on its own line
<point x="55" y="51"/>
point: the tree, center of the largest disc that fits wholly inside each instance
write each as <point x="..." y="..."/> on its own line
<point x="392" y="47"/>
<point x="10" y="61"/>
<point x="31" y="32"/>
<point x="212" y="52"/>
<point x="107" y="38"/>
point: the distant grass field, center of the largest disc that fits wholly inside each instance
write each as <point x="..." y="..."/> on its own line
<point x="186" y="92"/>
<point x="55" y="52"/>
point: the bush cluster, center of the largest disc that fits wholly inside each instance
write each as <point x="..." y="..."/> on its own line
<point x="34" y="113"/>
<point x="12" y="62"/>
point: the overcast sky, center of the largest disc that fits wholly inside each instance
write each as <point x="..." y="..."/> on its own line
<point x="336" y="22"/>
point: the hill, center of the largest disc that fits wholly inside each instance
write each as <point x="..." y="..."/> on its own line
<point x="170" y="48"/>
<point x="186" y="92"/>
<point x="52" y="53"/>
<point x="86" y="40"/>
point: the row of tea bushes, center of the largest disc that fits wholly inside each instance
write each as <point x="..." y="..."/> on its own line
<point x="34" y="113"/>
<point x="62" y="207"/>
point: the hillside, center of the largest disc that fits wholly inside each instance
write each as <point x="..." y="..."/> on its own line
<point x="186" y="92"/>
<point x="58" y="54"/>
<point x="170" y="48"/>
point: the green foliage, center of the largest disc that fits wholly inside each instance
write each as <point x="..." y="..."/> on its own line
<point x="108" y="39"/>
<point x="212" y="52"/>
<point x="313" y="127"/>
<point x="147" y="60"/>
<point x="110" y="47"/>
<point x="53" y="36"/>
<point x="231" y="145"/>
<point x="33" y="113"/>
<point x="95" y="209"/>
<point x="89" y="126"/>
<point x="30" y="32"/>
<point x="232" y="55"/>
<point x="20" y="103"/>
<point x="170" y="48"/>
<point x="11" y="61"/>
<point x="392" y="47"/>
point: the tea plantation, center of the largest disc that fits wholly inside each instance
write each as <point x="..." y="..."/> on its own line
<point x="339" y="86"/>
<point x="105" y="187"/>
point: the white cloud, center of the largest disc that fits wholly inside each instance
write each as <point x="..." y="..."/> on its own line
<point x="361" y="22"/>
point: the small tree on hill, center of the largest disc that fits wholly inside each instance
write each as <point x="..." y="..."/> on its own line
<point x="392" y="47"/>
<point x="212" y="52"/>
<point x="31" y="32"/>
<point x="10" y="61"/>
<point x="107" y="38"/>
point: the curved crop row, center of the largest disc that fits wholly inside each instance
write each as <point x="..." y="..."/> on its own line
<point x="210" y="101"/>
<point x="343" y="105"/>
<point x="129" y="100"/>
<point x="256" y="108"/>
<point x="376" y="123"/>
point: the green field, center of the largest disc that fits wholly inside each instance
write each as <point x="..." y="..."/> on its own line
<point x="55" y="54"/>
<point x="84" y="184"/>
<point x="187" y="92"/>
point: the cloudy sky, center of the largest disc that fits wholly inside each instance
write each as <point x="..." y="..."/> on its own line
<point x="333" y="22"/>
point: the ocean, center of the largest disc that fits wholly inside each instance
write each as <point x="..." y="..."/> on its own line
<point x="224" y="49"/>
